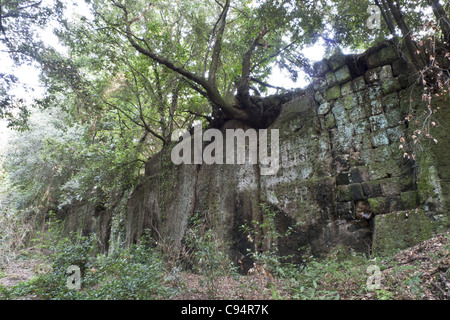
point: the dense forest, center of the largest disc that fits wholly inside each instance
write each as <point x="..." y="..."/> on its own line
<point x="119" y="78"/>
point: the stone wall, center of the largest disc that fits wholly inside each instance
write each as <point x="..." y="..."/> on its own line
<point x="342" y="180"/>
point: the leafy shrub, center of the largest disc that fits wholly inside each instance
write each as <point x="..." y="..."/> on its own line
<point x="135" y="273"/>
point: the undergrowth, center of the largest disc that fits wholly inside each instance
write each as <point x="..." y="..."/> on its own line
<point x="141" y="271"/>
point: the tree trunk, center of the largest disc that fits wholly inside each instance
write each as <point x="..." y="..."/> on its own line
<point x="442" y="19"/>
<point x="411" y="48"/>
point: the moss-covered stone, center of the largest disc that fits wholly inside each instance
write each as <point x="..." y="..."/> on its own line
<point x="343" y="74"/>
<point x="373" y="60"/>
<point x="320" y="68"/>
<point x="330" y="122"/>
<point x="324" y="108"/>
<point x="410" y="199"/>
<point x="399" y="230"/>
<point x="347" y="88"/>
<point x="372" y="189"/>
<point x="379" y="138"/>
<point x="350" y="101"/>
<point x="376" y="107"/>
<point x="390" y="86"/>
<point x="359" y="174"/>
<point x="358" y="84"/>
<point x="350" y="192"/>
<point x="379" y="205"/>
<point x="386" y="73"/>
<point x="342" y="178"/>
<point x="330" y="77"/>
<point x="391" y="187"/>
<point x="336" y="60"/>
<point x="387" y="55"/>
<point x="334" y="92"/>
<point x="384" y="169"/>
<point x="378" y="122"/>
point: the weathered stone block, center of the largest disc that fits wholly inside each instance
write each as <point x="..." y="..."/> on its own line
<point x="386" y="73"/>
<point x="345" y="210"/>
<point x="363" y="96"/>
<point x="378" y="122"/>
<point x="359" y="174"/>
<point x="399" y="230"/>
<point x="391" y="101"/>
<point x="337" y="60"/>
<point x="390" y="86"/>
<point x="343" y="74"/>
<point x="320" y="68"/>
<point x="379" y="138"/>
<point x="359" y="84"/>
<point x="324" y="108"/>
<point x="387" y="55"/>
<point x="360" y="112"/>
<point x="395" y="133"/>
<point x="390" y="187"/>
<point x="396" y="204"/>
<point x="381" y="153"/>
<point x="340" y="113"/>
<point x="331" y="79"/>
<point x="384" y="169"/>
<point x="361" y="142"/>
<point x="320" y="84"/>
<point x="342" y="178"/>
<point x="334" y="92"/>
<point x="319" y="96"/>
<point x="379" y="205"/>
<point x="374" y="92"/>
<point x="361" y="125"/>
<point x="376" y="107"/>
<point x="372" y="75"/>
<point x="350" y="101"/>
<point x="407" y="183"/>
<point x="349" y="192"/>
<point x="393" y="117"/>
<point x="330" y="121"/>
<point x="373" y="60"/>
<point x="410" y="199"/>
<point x="341" y="139"/>
<point x="346" y="88"/>
<point x="372" y="189"/>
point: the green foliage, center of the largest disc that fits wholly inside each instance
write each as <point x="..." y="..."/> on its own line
<point x="136" y="273"/>
<point x="36" y="176"/>
<point x="205" y="256"/>
<point x="20" y="22"/>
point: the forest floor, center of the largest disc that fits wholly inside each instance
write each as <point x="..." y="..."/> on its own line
<point x="421" y="272"/>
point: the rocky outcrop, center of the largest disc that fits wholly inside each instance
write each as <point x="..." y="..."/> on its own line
<point x="342" y="179"/>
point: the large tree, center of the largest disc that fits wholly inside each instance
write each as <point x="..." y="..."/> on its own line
<point x="225" y="50"/>
<point x="20" y="22"/>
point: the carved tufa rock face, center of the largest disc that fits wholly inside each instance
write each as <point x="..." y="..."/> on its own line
<point x="340" y="171"/>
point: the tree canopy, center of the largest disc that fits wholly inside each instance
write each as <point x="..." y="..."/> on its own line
<point x="133" y="72"/>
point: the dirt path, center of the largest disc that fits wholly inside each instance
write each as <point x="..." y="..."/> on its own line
<point x="17" y="271"/>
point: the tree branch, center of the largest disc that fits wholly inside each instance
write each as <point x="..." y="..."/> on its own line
<point x="266" y="84"/>
<point x="221" y="22"/>
<point x="212" y="92"/>
<point x="244" y="85"/>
